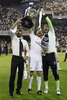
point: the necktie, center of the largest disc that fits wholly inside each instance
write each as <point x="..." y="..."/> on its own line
<point x="20" y="48"/>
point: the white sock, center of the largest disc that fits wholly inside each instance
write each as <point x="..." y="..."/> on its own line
<point x="38" y="83"/>
<point x="30" y="82"/>
<point x="57" y="85"/>
<point x="17" y="69"/>
<point x="46" y="84"/>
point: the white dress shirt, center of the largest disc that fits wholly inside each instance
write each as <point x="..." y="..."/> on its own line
<point x="15" y="43"/>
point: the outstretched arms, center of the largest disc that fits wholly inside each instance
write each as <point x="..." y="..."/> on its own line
<point x="42" y="12"/>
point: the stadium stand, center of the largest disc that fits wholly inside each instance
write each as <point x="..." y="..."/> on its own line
<point x="9" y="14"/>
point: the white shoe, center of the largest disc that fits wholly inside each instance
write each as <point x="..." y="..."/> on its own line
<point x="46" y="91"/>
<point x="58" y="92"/>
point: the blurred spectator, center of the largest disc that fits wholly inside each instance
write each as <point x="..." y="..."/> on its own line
<point x="8" y="16"/>
<point x="6" y="48"/>
<point x="0" y="49"/>
<point x="59" y="6"/>
<point x="65" y="53"/>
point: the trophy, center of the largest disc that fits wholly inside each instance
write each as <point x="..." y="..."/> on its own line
<point x="27" y="22"/>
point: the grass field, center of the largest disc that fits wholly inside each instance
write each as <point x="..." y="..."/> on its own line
<point x="4" y="83"/>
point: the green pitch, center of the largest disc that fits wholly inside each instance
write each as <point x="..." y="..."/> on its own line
<point x="5" y="62"/>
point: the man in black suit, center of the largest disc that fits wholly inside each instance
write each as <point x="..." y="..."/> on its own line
<point x="18" y="46"/>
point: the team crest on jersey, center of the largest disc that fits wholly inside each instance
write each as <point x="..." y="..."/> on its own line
<point x="45" y="41"/>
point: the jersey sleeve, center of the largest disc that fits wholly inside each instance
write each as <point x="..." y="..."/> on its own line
<point x="49" y="23"/>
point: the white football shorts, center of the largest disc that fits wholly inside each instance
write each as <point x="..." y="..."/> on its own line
<point x="35" y="64"/>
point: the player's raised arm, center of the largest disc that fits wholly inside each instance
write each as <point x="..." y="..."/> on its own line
<point x="50" y="25"/>
<point x="40" y="18"/>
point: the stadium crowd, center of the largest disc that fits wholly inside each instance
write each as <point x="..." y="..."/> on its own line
<point x="9" y="15"/>
<point x="61" y="35"/>
<point x="59" y="6"/>
<point x="5" y="47"/>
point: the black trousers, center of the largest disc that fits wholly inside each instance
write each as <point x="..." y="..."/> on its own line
<point x="16" y="62"/>
<point x="0" y="52"/>
<point x="50" y="60"/>
<point x="65" y="57"/>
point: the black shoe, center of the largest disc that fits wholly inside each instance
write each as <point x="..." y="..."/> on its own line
<point x="29" y="91"/>
<point x="39" y="92"/>
<point x="19" y="93"/>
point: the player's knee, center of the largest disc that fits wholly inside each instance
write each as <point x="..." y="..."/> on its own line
<point x="39" y="73"/>
<point x="56" y="77"/>
<point x="31" y="73"/>
<point x="45" y="76"/>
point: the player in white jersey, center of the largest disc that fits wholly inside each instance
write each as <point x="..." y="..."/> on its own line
<point x="48" y="57"/>
<point x="35" y="59"/>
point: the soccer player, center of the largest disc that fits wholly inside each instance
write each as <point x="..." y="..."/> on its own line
<point x="35" y="59"/>
<point x="65" y="53"/>
<point x="48" y="58"/>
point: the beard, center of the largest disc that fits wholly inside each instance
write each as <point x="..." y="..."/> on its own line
<point x="18" y="35"/>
